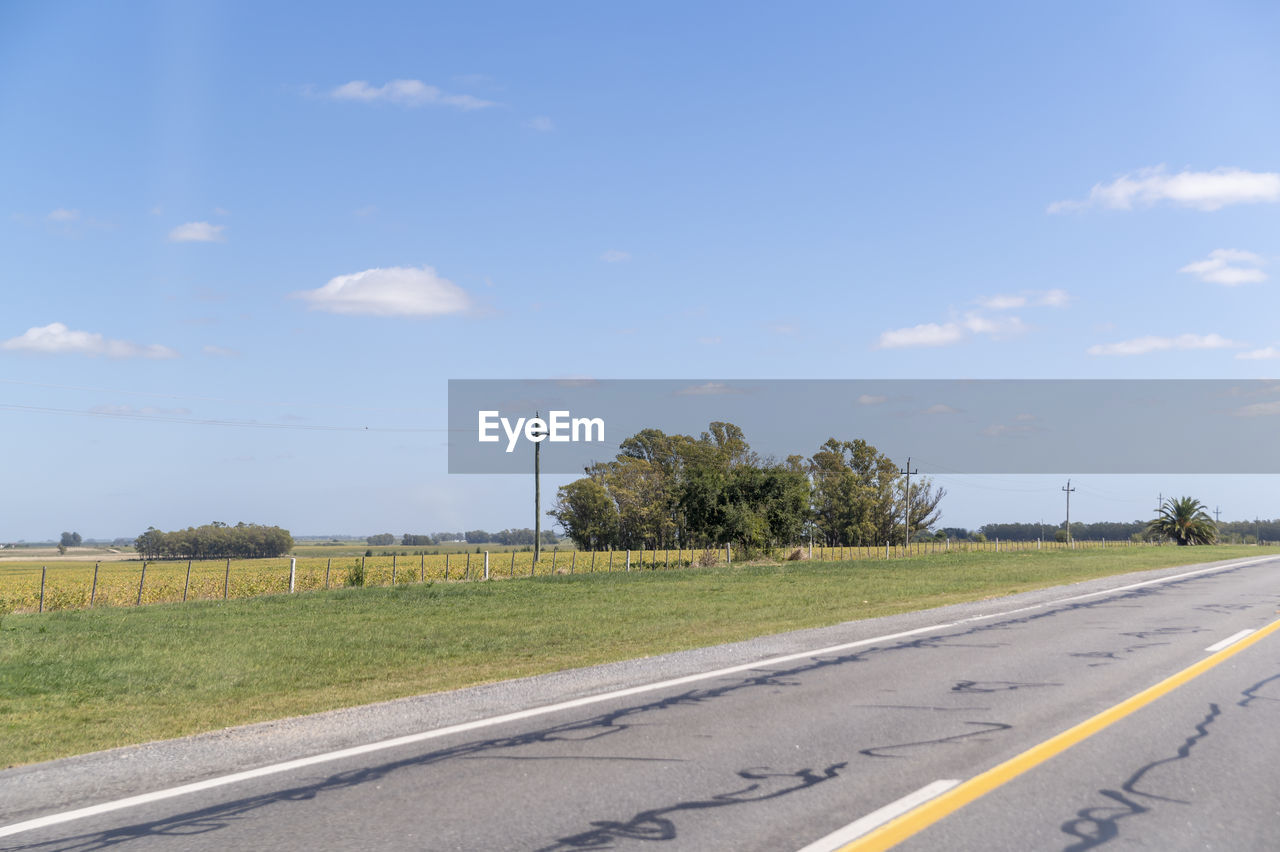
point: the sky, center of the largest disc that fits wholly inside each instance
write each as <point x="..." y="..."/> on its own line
<point x="245" y="249"/>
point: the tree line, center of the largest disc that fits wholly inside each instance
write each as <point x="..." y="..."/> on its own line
<point x="676" y="490"/>
<point x="215" y="541"/>
<point x="522" y="536"/>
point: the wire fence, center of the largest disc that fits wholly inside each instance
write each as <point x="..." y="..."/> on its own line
<point x="32" y="587"/>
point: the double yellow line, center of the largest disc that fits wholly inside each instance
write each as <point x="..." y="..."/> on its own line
<point x="917" y="820"/>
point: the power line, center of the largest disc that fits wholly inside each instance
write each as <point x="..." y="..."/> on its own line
<point x="165" y="418"/>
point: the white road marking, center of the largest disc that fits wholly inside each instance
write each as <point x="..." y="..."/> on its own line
<point x="410" y="739"/>
<point x="877" y="818"/>
<point x="1230" y="640"/>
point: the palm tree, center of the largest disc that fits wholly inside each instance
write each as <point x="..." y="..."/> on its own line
<point x="1185" y="521"/>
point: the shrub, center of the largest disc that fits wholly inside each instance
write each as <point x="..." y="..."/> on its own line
<point x="355" y="575"/>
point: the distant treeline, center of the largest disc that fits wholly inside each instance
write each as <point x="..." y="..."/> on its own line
<point x="215" y="541"/>
<point x="1229" y="532"/>
<point x="508" y="537"/>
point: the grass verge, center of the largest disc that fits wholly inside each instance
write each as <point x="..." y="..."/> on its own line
<point x="78" y="681"/>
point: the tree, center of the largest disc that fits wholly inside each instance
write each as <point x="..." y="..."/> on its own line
<point x="1184" y="520"/>
<point x="71" y="539"/>
<point x="586" y="513"/>
<point x="381" y="539"/>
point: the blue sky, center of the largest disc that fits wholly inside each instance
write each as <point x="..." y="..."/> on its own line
<point x="214" y="214"/>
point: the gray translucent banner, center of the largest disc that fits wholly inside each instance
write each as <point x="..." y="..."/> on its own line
<point x="944" y="426"/>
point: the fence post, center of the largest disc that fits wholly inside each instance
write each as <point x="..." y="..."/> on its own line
<point x="573" y="559"/>
<point x="393" y="569"/>
<point x="446" y="565"/>
<point x="186" y="583"/>
<point x="610" y="559"/>
<point x="467" y="572"/>
<point x="93" y="592"/>
<point x="666" y="556"/>
<point x="226" y="581"/>
<point x="293" y="574"/>
<point x="593" y="562"/>
<point x="141" y="580"/>
<point x="728" y="554"/>
<point x="327" y="563"/>
<point x="628" y="559"/>
<point x="513" y="564"/>
<point x="554" y="551"/>
<point x="486" y="564"/>
<point x="422" y="567"/>
<point x="42" y="570"/>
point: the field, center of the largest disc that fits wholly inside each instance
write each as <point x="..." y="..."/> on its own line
<point x="79" y="680"/>
<point x="78" y="584"/>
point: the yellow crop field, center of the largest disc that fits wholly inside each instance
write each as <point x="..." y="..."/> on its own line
<point x="28" y="586"/>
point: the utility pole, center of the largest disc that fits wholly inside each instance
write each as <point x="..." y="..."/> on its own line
<point x="1067" y="488"/>
<point x="1217" y="515"/>
<point x="1159" y="503"/>
<point x="907" y="503"/>
<point x="537" y="496"/>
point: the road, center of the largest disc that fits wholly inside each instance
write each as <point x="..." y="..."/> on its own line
<point x="805" y="741"/>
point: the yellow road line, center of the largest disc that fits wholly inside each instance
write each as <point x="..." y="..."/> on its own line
<point x="913" y="822"/>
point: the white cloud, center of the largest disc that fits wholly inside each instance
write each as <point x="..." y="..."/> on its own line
<point x="62" y="214"/>
<point x="1228" y="267"/>
<point x="615" y="256"/>
<point x="1267" y="353"/>
<point x="540" y="123"/>
<point x="941" y="408"/>
<point x="1003" y="303"/>
<point x="1200" y="190"/>
<point x="394" y="291"/>
<point x="1037" y="298"/>
<point x="1152" y="343"/>
<point x="709" y="389"/>
<point x="197" y="232"/>
<point x="872" y="399"/>
<point x="56" y="339"/>
<point x="1000" y="327"/>
<point x="220" y="352"/>
<point x="407" y="93"/>
<point x="925" y="334"/>
<point x="1258" y="409"/>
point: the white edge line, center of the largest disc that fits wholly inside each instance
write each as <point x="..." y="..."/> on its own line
<point x="409" y="739"/>
<point x="879" y="817"/>
<point x="1230" y="640"/>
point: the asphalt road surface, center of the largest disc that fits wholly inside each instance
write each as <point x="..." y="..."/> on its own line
<point x="816" y="740"/>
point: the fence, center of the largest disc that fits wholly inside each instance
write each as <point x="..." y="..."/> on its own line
<point x="31" y="587"/>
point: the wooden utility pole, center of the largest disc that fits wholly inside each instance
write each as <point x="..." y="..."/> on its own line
<point x="1067" y="488"/>
<point x="907" y="503"/>
<point x="537" y="497"/>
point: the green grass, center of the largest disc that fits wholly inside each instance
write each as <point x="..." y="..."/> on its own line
<point x="80" y="680"/>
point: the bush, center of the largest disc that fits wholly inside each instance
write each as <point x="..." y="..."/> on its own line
<point x="706" y="558"/>
<point x="355" y="575"/>
<point x="796" y="555"/>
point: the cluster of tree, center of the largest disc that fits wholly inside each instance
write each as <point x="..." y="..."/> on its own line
<point x="215" y="541"/>
<point x="1109" y="530"/>
<point x="509" y="537"/>
<point x="675" y="490"/>
<point x="70" y="539"/>
<point x="522" y="536"/>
